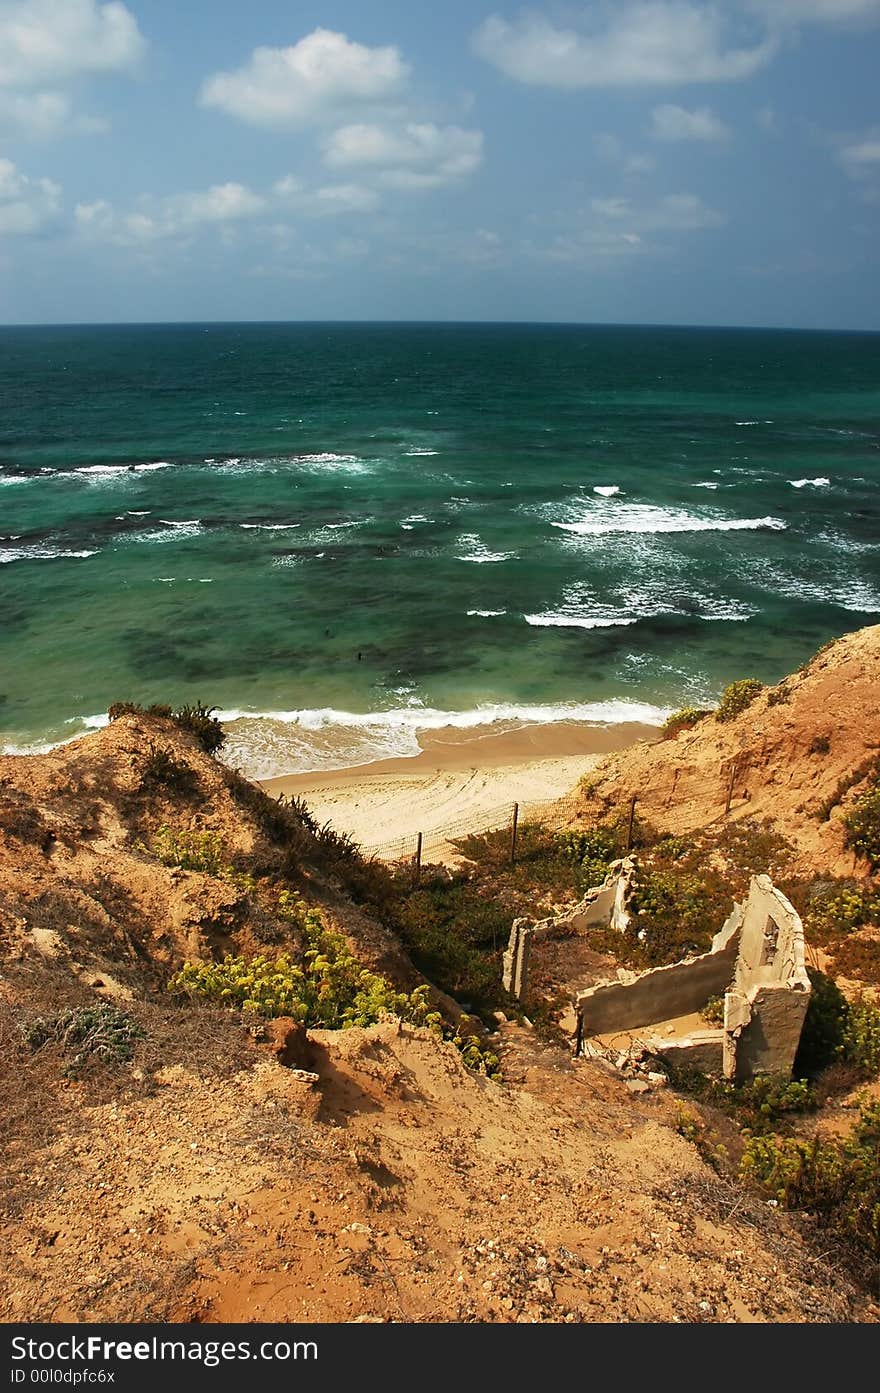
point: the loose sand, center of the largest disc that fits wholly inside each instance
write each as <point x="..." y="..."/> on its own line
<point x="462" y="781"/>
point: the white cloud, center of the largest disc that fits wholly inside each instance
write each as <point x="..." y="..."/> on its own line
<point x="47" y="44"/>
<point x="670" y="122"/>
<point x="413" y="156"/>
<point x="342" y="198"/>
<point x="642" y="43"/>
<point x="864" y="155"/>
<point x="177" y="216"/>
<point x="51" y="41"/>
<point x="321" y="75"/>
<point x="682" y="212"/>
<point x="26" y="205"/>
<point x="861" y="161"/>
<point x="612" y="228"/>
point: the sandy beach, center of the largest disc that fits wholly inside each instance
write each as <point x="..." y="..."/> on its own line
<point x="461" y="781"/>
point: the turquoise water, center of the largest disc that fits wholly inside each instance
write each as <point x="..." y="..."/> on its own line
<point x="364" y="529"/>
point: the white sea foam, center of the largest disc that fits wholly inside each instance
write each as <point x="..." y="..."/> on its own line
<point x="606" y="490"/>
<point x="487" y="613"/>
<point x="421" y="452"/>
<point x="562" y="619"/>
<point x="272" y="742"/>
<point x="478" y="552"/>
<point x="41" y="553"/>
<point x="648" y="518"/>
<point x="820" y="483"/>
<point x="269" y="526"/>
<point x="705" y="484"/>
<point x="186" y="522"/>
<point x="15" y="478"/>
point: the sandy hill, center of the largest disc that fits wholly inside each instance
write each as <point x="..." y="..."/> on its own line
<point x="798" y="755"/>
<point x="204" y="1178"/>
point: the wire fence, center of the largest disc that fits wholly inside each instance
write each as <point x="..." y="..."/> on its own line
<point x="439" y="842"/>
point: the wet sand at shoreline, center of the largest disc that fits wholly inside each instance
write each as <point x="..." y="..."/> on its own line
<point x="462" y="780"/>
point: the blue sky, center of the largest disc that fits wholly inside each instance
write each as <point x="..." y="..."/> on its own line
<point x="669" y="161"/>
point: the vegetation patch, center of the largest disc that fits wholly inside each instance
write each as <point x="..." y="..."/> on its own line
<point x="737" y="697"/>
<point x="100" y="1032"/>
<point x="328" y="987"/>
<point x="683" y="719"/>
<point x="835" y="1180"/>
<point x="162" y="769"/>
<point x="862" y="824"/>
<point x="198" y="719"/>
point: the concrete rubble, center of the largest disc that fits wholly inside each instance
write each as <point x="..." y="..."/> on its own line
<point x="755" y="965"/>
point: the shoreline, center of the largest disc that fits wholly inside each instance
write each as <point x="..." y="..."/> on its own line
<point x="460" y="781"/>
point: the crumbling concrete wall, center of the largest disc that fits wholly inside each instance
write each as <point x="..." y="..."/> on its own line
<point x="765" y="1008"/>
<point x="607" y="903"/>
<point x="756" y="963"/>
<point x="678" y="989"/>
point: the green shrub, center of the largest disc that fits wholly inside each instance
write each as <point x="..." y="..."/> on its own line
<point x="133" y="708"/>
<point x="192" y="851"/>
<point x="713" y="1011"/>
<point x="755" y="1105"/>
<point x="591" y="852"/>
<point x="861" y="1037"/>
<point x="736" y="697"/>
<point x="862" y="824"/>
<point x="455" y="934"/>
<point x="822" y="1034"/>
<point x="683" y="719"/>
<point x="677" y="914"/>
<point x="94" y="1032"/>
<point x="328" y="988"/>
<point x="778" y="695"/>
<point x="869" y="768"/>
<point x="835" y="1179"/>
<point x="838" y="1031"/>
<point x="836" y="908"/>
<point x="200" y="721"/>
<point x="162" y="769"/>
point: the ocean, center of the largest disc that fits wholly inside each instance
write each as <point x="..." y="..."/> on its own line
<point x="339" y="534"/>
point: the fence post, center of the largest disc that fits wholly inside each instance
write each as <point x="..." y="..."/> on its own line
<point x="632" y="823"/>
<point x="513" y="833"/>
<point x="417" y="864"/>
<point x="729" y="798"/>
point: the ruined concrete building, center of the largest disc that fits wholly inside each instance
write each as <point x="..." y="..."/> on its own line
<point x="756" y="964"/>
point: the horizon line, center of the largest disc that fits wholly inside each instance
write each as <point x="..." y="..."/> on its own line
<point x="415" y="323"/>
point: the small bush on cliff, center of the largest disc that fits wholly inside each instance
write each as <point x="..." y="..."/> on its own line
<point x="201" y="722"/>
<point x="134" y="708"/>
<point x="162" y="769"/>
<point x="837" y="1031"/>
<point x="836" y="908"/>
<point x="862" y="824"/>
<point x="684" y="719"/>
<point x="591" y="851"/>
<point x="736" y="697"/>
<point x="191" y="851"/>
<point x="89" y="1032"/>
<point x="327" y="988"/>
<point x="837" y="1180"/>
<point x="677" y="914"/>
